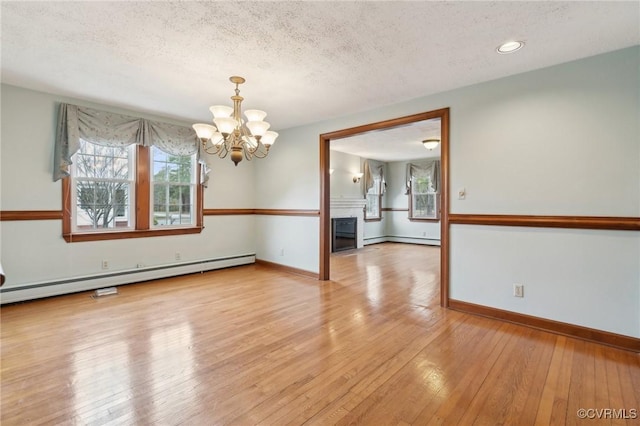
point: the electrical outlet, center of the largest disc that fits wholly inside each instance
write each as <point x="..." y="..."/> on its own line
<point x="518" y="290"/>
<point x="178" y="256"/>
<point x="281" y="252"/>
<point x="140" y="265"/>
<point x="105" y="264"/>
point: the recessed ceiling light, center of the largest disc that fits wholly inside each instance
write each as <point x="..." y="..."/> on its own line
<point x="510" y="47"/>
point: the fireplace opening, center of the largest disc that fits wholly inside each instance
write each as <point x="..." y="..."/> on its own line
<point x="344" y="230"/>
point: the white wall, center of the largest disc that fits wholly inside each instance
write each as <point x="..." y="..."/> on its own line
<point x="341" y="181"/>
<point x="558" y="141"/>
<point x="286" y="240"/>
<point x="376" y="231"/>
<point x="34" y="252"/>
<point x="289" y="179"/>
<point x="589" y="278"/>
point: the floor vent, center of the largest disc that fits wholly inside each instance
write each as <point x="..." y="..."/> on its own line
<point x="105" y="291"/>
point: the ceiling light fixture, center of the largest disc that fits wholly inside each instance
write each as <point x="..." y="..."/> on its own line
<point x="510" y="47"/>
<point x="243" y="139"/>
<point x="431" y="144"/>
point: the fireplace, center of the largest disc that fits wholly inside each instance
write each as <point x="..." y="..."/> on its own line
<point x="344" y="231"/>
<point x="349" y="208"/>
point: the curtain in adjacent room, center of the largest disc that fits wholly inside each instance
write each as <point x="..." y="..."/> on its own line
<point x="112" y="129"/>
<point x="371" y="170"/>
<point x="430" y="168"/>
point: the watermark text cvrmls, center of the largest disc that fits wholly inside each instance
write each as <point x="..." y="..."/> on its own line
<point x="607" y="413"/>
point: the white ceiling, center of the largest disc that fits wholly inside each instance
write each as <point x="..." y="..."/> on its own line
<point x="303" y="61"/>
<point x="397" y="144"/>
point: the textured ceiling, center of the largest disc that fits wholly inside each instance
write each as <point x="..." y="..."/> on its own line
<point x="303" y="61"/>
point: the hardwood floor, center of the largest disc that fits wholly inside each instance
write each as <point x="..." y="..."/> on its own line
<point x="252" y="345"/>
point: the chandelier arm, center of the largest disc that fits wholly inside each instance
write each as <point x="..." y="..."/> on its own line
<point x="248" y="150"/>
<point x="261" y="153"/>
<point x="224" y="149"/>
<point x="214" y="149"/>
<point x="247" y="154"/>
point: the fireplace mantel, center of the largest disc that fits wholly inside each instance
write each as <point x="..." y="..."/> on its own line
<point x="348" y="203"/>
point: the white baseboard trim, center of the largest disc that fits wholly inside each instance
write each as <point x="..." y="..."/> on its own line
<point x="407" y="240"/>
<point x="92" y="282"/>
<point x="374" y="240"/>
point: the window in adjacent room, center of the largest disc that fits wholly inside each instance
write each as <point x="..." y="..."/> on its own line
<point x="423" y="199"/>
<point x="374" y="198"/>
<point x="374" y="188"/>
<point x="423" y="189"/>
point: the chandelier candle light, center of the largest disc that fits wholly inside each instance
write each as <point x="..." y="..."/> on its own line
<point x="231" y="134"/>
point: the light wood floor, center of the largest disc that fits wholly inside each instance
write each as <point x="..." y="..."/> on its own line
<point x="251" y="345"/>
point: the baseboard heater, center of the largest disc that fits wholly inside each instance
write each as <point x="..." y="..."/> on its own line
<point x="130" y="276"/>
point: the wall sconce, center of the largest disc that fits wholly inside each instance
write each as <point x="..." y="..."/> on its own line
<point x="331" y="171"/>
<point x="356" y="177"/>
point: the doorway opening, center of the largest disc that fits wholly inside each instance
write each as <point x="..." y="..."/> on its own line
<point x="325" y="218"/>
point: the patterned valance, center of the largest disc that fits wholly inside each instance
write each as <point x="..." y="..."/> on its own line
<point x="430" y="168"/>
<point x="111" y="129"/>
<point x="373" y="169"/>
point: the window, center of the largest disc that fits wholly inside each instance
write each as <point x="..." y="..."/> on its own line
<point x="103" y="185"/>
<point x="174" y="188"/>
<point x="423" y="184"/>
<point x="125" y="176"/>
<point x="129" y="192"/>
<point x="374" y="187"/>
<point x="374" y="197"/>
<point x="423" y="199"/>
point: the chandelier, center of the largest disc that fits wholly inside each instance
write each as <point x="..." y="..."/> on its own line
<point x="231" y="134"/>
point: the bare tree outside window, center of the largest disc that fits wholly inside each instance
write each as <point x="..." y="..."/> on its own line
<point x="103" y="186"/>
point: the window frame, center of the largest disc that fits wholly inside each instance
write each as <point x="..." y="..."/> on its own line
<point x="192" y="184"/>
<point x="130" y="180"/>
<point x="142" y="213"/>
<point x="378" y="218"/>
<point x="436" y="196"/>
